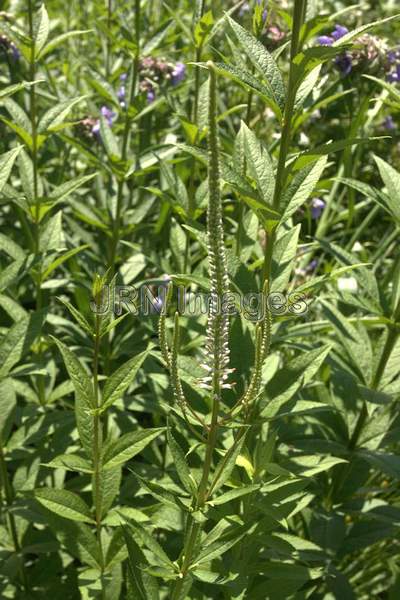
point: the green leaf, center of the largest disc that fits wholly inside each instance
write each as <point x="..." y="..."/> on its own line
<point x="8" y="400"/>
<point x="41" y="30"/>
<point x="144" y="586"/>
<point x="110" y="482"/>
<point x="119" y="451"/>
<point x="61" y="259"/>
<point x="284" y="255"/>
<point x="76" y="537"/>
<point x="56" y="115"/>
<point x="120" y="380"/>
<point x="51" y="234"/>
<point x="150" y="542"/>
<point x="84" y="423"/>
<point x="263" y="61"/>
<point x="360" y="30"/>
<point x="227" y="464"/>
<point x="64" y="503"/>
<point x="285" y="383"/>
<point x="217" y="549"/>
<point x="249" y="82"/>
<point x="79" y="318"/>
<point x="180" y="463"/>
<point x="60" y="39"/>
<point x="109" y="140"/>
<point x="12" y="89"/>
<point x="65" y="189"/>
<point x="18" y="340"/>
<point x="79" y="377"/>
<point x="70" y="462"/>
<point x="302" y="186"/>
<point x="159" y="492"/>
<point x="233" y="495"/>
<point x="203" y="29"/>
<point x="391" y="179"/>
<point x="6" y="163"/>
<point x="260" y="165"/>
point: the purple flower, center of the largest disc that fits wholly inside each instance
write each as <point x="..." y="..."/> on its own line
<point x="389" y="123"/>
<point x="121" y="96"/>
<point x="15" y="53"/>
<point x="178" y="74"/>
<point x="394" y="77"/>
<point x="123" y="76"/>
<point x="245" y="8"/>
<point x="151" y="96"/>
<point x="108" y="114"/>
<point x="317" y="206"/>
<point x="311" y="267"/>
<point x="96" y="128"/>
<point x="339" y="32"/>
<point x="393" y="56"/>
<point x="344" y="63"/>
<point x="325" y="40"/>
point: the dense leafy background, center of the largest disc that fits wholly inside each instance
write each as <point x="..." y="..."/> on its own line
<point x="103" y="175"/>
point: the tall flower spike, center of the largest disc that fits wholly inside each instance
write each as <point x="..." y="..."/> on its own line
<point x="217" y="334"/>
<point x="162" y="327"/>
<point x="262" y="345"/>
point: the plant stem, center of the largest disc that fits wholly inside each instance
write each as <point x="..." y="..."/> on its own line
<point x="125" y="145"/>
<point x="97" y="444"/>
<point x="194" y="116"/>
<point x="108" y="50"/>
<point x="298" y="19"/>
<point x="36" y="198"/>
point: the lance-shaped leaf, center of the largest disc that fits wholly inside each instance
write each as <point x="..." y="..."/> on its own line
<point x="41" y="29"/>
<point x="6" y="163"/>
<point x="301" y="187"/>
<point x="18" y="340"/>
<point x="263" y="61"/>
<point x="180" y="463"/>
<point x="391" y="179"/>
<point x="60" y="39"/>
<point x="144" y="586"/>
<point x="79" y="377"/>
<point x="260" y="165"/>
<point x="285" y="383"/>
<point x="61" y="259"/>
<point x="64" y="503"/>
<point x="121" y="379"/>
<point x="118" y="451"/>
<point x="151" y="543"/>
<point x="362" y="29"/>
<point x="53" y="118"/>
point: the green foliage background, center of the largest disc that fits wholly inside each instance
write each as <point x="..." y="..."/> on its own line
<point x="121" y="476"/>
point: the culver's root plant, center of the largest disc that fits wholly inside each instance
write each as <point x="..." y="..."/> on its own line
<point x="246" y="153"/>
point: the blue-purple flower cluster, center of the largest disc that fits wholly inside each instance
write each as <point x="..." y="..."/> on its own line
<point x="9" y="47"/>
<point x="153" y="74"/>
<point x="393" y="59"/>
<point x="369" y="52"/>
<point x="156" y="73"/>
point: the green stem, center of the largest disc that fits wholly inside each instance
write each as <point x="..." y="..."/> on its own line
<point x="36" y="198"/>
<point x="108" y="50"/>
<point x="97" y="445"/>
<point x="195" y="113"/>
<point x="125" y="145"/>
<point x="298" y="17"/>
